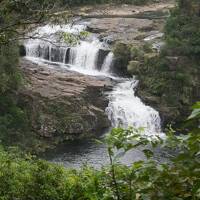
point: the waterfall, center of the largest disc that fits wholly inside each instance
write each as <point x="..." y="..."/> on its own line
<point x="48" y="47"/>
<point x="107" y="63"/>
<point x="48" y="43"/>
<point x="85" y="55"/>
<point x="125" y="109"/>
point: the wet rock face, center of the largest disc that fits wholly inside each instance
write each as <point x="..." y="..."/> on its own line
<point x="67" y="56"/>
<point x="63" y="104"/>
<point x="56" y="54"/>
<point x="43" y="52"/>
<point x="119" y="68"/>
<point x="101" y="57"/>
<point x="22" y="50"/>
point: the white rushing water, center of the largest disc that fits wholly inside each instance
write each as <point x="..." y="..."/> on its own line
<point x="45" y="39"/>
<point x="50" y="46"/>
<point x="106" y="67"/>
<point x="125" y="109"/>
<point x="85" y="55"/>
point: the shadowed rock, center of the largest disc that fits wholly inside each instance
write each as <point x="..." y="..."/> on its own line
<point x="101" y="57"/>
<point x="22" y="50"/>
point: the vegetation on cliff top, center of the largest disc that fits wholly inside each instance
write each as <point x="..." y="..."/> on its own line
<point x="170" y="80"/>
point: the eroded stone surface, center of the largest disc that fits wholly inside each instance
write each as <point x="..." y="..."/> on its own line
<point x="123" y="10"/>
<point x="126" y="23"/>
<point x="64" y="103"/>
<point x="126" y="29"/>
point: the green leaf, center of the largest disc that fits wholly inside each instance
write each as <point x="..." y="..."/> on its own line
<point x="195" y="113"/>
<point x="148" y="153"/>
<point x="138" y="164"/>
<point x="98" y="141"/>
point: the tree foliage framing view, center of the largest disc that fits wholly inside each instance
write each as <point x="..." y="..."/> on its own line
<point x="25" y="177"/>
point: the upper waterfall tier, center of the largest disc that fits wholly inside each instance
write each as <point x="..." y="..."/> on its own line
<point x="89" y="54"/>
<point x="85" y="55"/>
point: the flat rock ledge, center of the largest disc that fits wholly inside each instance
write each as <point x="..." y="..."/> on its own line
<point x="126" y="23"/>
<point x="64" y="104"/>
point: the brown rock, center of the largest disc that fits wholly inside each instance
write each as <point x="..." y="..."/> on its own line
<point x="63" y="103"/>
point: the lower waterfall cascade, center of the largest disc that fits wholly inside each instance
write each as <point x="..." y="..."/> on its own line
<point x="125" y="108"/>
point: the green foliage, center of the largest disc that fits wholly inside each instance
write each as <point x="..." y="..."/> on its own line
<point x="196" y="111"/>
<point x="70" y="38"/>
<point x="16" y="19"/>
<point x="24" y="177"/>
<point x="73" y="39"/>
<point x="137" y="53"/>
<point x="171" y="80"/>
<point x="122" y="51"/>
<point x="147" y="47"/>
<point x="122" y="54"/>
<point x="134" y="67"/>
<point x="9" y="73"/>
<point x="182" y="29"/>
<point x="12" y="117"/>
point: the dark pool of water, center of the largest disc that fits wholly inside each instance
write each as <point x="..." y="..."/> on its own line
<point x="78" y="153"/>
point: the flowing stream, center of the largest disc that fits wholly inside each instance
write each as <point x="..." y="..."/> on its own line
<point x="124" y="109"/>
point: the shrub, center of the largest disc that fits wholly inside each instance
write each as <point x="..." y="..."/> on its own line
<point x="26" y="178"/>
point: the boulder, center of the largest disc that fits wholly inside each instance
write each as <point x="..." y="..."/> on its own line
<point x="56" y="54"/>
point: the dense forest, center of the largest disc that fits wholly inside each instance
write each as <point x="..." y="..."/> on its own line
<point x="172" y="76"/>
